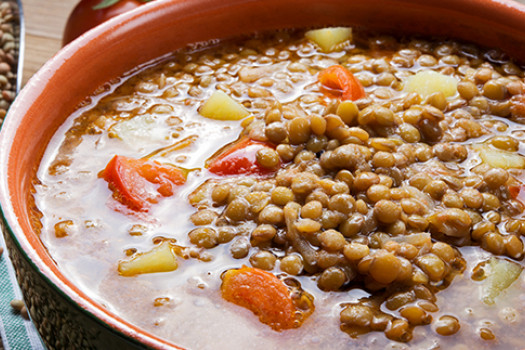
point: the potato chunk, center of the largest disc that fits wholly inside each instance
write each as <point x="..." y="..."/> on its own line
<point x="426" y="83"/>
<point x="141" y="131"/>
<point x="162" y="258"/>
<point x="329" y="38"/>
<point x="222" y="107"/>
<point x="497" y="158"/>
<point x="499" y="275"/>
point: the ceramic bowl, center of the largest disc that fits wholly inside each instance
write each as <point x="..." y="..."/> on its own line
<point x="64" y="315"/>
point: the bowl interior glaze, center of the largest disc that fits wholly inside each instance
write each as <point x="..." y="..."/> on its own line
<point x="162" y="26"/>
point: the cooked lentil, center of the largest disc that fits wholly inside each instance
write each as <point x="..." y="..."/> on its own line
<point x="373" y="207"/>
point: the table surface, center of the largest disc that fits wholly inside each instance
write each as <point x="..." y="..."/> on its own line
<point x="44" y="23"/>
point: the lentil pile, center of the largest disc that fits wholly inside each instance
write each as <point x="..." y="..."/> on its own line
<point x="9" y="51"/>
<point x="408" y="189"/>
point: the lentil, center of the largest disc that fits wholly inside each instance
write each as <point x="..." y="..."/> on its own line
<point x="387" y="211"/>
<point x="263" y="233"/>
<point x="355" y="251"/>
<point x="271" y="215"/>
<point x="415" y="315"/>
<point x="331" y="279"/>
<point x="385" y="267"/>
<point x="357" y="315"/>
<point x="282" y="195"/>
<point x="204" y="237"/>
<point x="447" y="325"/>
<point x="263" y="260"/>
<point x="292" y="264"/>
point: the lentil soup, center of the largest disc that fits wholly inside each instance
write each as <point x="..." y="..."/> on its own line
<point x="320" y="189"/>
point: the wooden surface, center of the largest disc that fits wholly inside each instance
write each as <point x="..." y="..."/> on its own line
<point x="44" y="22"/>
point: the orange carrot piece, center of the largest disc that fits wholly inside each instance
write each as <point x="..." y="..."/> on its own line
<point x="263" y="294"/>
<point x="339" y="81"/>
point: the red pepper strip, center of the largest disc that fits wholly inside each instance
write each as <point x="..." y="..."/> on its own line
<point x="239" y="159"/>
<point x="138" y="183"/>
<point x="339" y="81"/>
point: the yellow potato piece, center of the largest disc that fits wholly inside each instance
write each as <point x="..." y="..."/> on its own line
<point x="500" y="275"/>
<point x="141" y="130"/>
<point x="222" y="107"/>
<point x="329" y="38"/>
<point x="162" y="258"/>
<point x="497" y="158"/>
<point x="427" y="82"/>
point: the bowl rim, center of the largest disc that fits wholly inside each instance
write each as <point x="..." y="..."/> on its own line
<point x="511" y="11"/>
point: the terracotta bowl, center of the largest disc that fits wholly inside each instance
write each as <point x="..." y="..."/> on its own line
<point x="64" y="315"/>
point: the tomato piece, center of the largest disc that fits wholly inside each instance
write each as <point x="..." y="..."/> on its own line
<point x="339" y="81"/>
<point x="517" y="192"/>
<point x="514" y="191"/>
<point x="241" y="158"/>
<point x="138" y="183"/>
<point x="263" y="294"/>
<point x="84" y="16"/>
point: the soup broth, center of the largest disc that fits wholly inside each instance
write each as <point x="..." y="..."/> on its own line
<point x="322" y="189"/>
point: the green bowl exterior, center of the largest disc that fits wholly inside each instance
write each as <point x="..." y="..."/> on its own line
<point x="60" y="322"/>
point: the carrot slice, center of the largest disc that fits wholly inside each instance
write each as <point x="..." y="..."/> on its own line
<point x="339" y="81"/>
<point x="263" y="294"/>
<point x="138" y="183"/>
